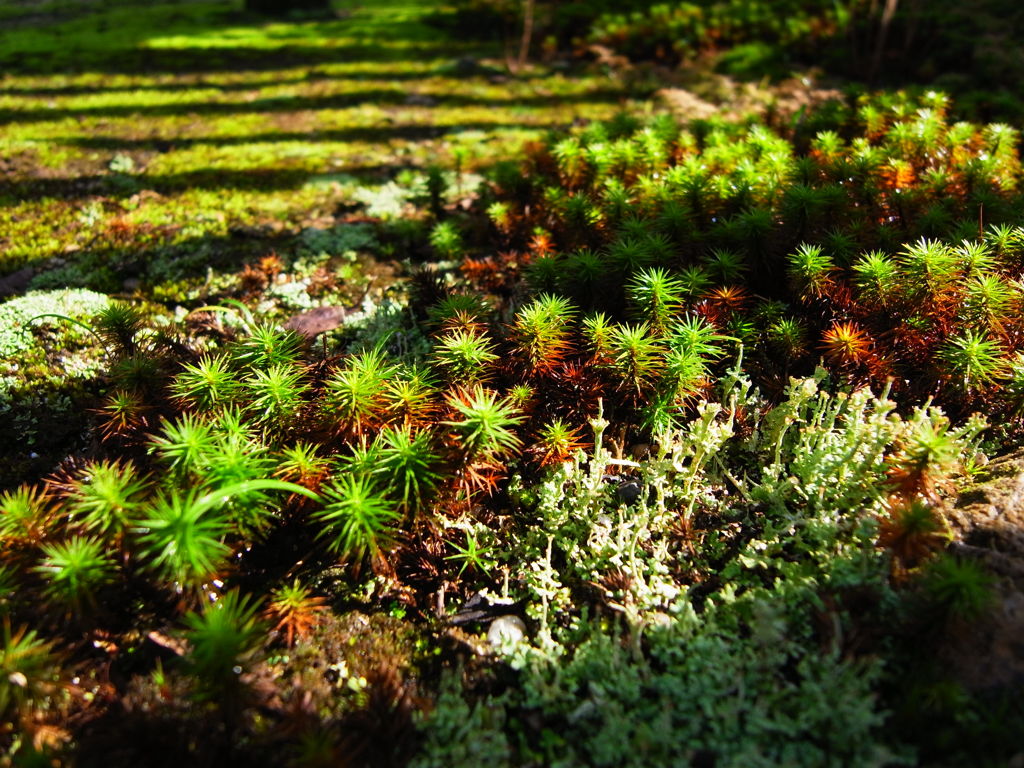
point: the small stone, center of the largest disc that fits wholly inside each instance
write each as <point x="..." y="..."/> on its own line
<point x="18" y="679"/>
<point x="640" y="451"/>
<point x="16" y="282"/>
<point x="628" y="493"/>
<point x="506" y="629"/>
<point x="420" y="100"/>
<point x="313" y="322"/>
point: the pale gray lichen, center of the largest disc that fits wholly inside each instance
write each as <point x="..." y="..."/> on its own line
<point x="16" y="316"/>
<point x="46" y="364"/>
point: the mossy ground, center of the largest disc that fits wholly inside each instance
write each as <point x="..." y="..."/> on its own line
<point x="133" y="136"/>
<point x="695" y="558"/>
<point x="152" y="151"/>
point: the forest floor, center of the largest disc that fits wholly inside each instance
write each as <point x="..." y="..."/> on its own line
<point x="137" y="135"/>
<point x="180" y="155"/>
<point x="154" y="153"/>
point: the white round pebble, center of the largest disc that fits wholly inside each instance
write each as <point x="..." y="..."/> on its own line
<point x="506" y="629"/>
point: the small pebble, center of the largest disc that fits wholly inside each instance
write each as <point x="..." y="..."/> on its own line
<point x="420" y="100"/>
<point x="640" y="451"/>
<point x="506" y="629"/>
<point x="628" y="492"/>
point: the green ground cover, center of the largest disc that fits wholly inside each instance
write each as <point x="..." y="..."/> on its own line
<point x="375" y="405"/>
<point x="143" y="149"/>
<point x="141" y="120"/>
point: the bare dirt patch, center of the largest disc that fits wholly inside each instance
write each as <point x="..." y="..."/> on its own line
<point x="989" y="524"/>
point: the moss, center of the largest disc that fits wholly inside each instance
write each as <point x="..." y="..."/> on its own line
<point x="706" y="579"/>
